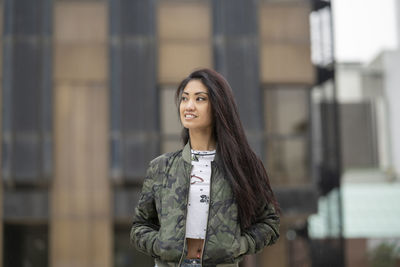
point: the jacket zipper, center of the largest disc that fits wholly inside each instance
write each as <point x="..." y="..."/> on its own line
<point x="208" y="215"/>
<point x="187" y="201"/>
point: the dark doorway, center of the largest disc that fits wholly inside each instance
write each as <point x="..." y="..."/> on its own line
<point x="25" y="245"/>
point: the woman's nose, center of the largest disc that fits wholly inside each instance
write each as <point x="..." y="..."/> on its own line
<point x="189" y="105"/>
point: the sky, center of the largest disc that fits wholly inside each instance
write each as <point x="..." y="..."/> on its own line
<point x="363" y="28"/>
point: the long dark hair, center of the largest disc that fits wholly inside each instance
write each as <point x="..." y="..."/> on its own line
<point x="244" y="170"/>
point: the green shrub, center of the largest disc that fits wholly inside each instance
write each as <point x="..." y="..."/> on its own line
<point x="383" y="255"/>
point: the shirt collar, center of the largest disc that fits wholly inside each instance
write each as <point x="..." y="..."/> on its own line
<point x="186" y="154"/>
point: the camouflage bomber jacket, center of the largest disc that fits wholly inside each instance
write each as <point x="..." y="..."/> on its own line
<point x="158" y="227"/>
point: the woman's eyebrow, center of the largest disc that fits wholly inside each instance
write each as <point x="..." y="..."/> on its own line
<point x="197" y="93"/>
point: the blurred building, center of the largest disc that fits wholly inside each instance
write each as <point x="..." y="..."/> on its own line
<point x="87" y="101"/>
<point x="369" y="101"/>
<point x="370" y="186"/>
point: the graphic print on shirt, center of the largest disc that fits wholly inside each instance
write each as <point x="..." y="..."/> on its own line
<point x="201" y="173"/>
<point x="199" y="194"/>
<point x="196" y="179"/>
<point x="204" y="199"/>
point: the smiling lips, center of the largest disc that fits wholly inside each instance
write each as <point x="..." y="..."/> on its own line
<point x="189" y="116"/>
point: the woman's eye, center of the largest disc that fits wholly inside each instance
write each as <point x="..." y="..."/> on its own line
<point x="183" y="98"/>
<point x="201" y="99"/>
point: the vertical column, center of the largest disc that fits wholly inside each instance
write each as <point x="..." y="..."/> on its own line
<point x="1" y="133"/>
<point x="134" y="96"/>
<point x="397" y="14"/>
<point x="235" y="32"/>
<point x="81" y="220"/>
<point x="392" y="93"/>
<point x="26" y="130"/>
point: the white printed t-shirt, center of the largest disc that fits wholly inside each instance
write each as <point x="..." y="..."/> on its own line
<point x="199" y="194"/>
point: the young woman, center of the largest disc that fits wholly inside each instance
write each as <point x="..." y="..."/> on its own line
<point x="210" y="203"/>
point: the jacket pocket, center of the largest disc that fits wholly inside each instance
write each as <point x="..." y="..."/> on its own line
<point x="167" y="246"/>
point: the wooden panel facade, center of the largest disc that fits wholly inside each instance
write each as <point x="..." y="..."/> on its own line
<point x="81" y="216"/>
<point x="184" y="39"/>
<point x="285" y="43"/>
<point x="81" y="196"/>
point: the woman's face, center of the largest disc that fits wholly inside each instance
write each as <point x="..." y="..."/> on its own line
<point x="195" y="107"/>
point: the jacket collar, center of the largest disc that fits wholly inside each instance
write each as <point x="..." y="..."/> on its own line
<point x="186" y="153"/>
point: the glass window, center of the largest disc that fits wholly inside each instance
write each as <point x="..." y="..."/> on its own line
<point x="287" y="161"/>
<point x="133" y="93"/>
<point x="170" y="123"/>
<point x="286" y="111"/>
<point x="287" y="121"/>
<point x="26" y="93"/>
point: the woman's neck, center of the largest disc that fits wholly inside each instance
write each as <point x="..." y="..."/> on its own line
<point x="202" y="140"/>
